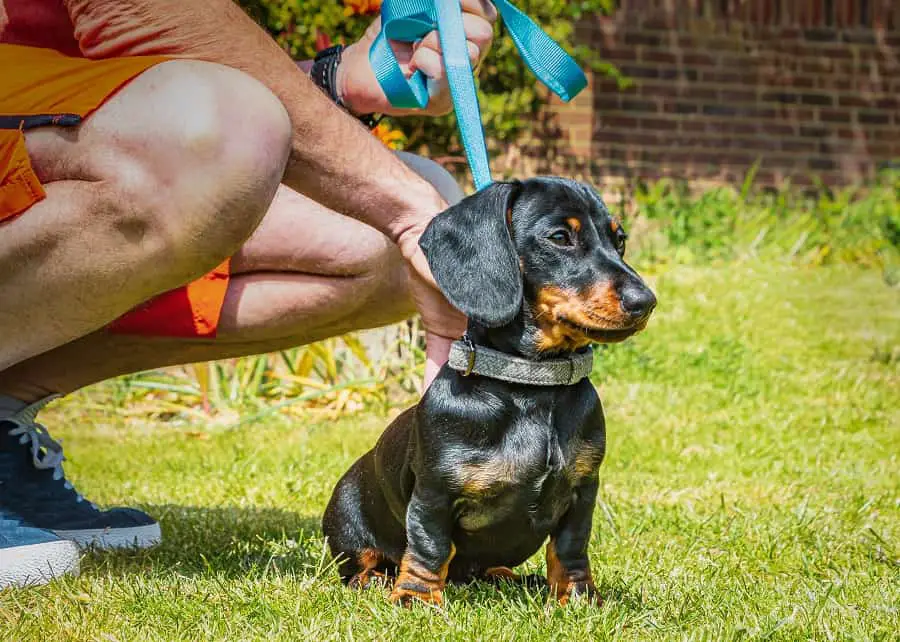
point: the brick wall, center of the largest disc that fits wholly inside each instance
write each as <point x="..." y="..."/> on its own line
<point x="808" y="87"/>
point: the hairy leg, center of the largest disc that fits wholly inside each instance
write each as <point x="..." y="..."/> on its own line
<point x="306" y="274"/>
<point x="168" y="160"/>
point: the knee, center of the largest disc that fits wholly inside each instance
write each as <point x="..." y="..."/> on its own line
<point x="442" y="180"/>
<point x="233" y="149"/>
<point x="215" y="146"/>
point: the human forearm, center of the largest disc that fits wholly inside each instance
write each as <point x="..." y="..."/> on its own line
<point x="334" y="160"/>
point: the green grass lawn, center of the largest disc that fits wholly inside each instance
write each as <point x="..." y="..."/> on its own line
<point x="751" y="491"/>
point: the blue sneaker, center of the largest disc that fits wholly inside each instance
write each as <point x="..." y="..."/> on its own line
<point x="33" y="487"/>
<point x="30" y="556"/>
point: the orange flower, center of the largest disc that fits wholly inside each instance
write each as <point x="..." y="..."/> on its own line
<point x="393" y="138"/>
<point x="323" y="41"/>
<point x="361" y="7"/>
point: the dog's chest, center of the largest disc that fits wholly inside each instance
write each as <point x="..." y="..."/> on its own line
<point x="529" y="475"/>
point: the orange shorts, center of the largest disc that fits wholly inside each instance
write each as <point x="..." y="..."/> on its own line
<point x="41" y="87"/>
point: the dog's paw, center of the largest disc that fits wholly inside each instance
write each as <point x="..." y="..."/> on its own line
<point x="364" y="578"/>
<point x="406" y="592"/>
<point x="578" y="591"/>
<point x="501" y="573"/>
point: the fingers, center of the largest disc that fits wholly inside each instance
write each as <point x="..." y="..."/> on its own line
<point x="482" y="8"/>
<point x="358" y="80"/>
<point x="431" y="63"/>
<point x="479" y="35"/>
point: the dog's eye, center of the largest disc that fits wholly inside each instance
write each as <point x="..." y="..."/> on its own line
<point x="620" y="238"/>
<point x="560" y="237"/>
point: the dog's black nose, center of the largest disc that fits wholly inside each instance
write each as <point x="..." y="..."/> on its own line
<point x="637" y="301"/>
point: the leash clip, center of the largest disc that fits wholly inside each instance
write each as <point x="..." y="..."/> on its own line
<point x="470" y="357"/>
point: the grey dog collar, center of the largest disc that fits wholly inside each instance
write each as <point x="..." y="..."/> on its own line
<point x="468" y="359"/>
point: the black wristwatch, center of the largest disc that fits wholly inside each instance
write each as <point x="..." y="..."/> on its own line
<point x="324" y="74"/>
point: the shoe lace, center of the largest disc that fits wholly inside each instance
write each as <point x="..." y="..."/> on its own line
<point x="46" y="452"/>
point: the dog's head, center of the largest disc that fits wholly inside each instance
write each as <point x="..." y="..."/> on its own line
<point x="544" y="255"/>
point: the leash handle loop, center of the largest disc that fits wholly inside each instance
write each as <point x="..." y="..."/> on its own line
<point x="411" y="20"/>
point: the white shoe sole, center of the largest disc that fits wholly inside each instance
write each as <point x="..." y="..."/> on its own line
<point x="37" y="563"/>
<point x="109" y="538"/>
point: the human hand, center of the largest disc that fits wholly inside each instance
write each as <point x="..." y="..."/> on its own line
<point x="443" y="323"/>
<point x="360" y="91"/>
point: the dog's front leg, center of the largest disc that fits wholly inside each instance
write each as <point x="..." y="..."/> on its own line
<point x="429" y="549"/>
<point x="568" y="566"/>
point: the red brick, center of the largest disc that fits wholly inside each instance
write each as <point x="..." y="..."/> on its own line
<point x="639" y="71"/>
<point x="696" y="92"/>
<point x="839" y="83"/>
<point x="698" y="59"/>
<point x="634" y="104"/>
<point x="680" y="107"/>
<point x="802" y="114"/>
<point x="658" y="123"/>
<point x="835" y="116"/>
<point x="798" y="145"/>
<point x="873" y="118"/>
<point x="658" y="55"/>
<point x="733" y="127"/>
<point x="800" y="81"/>
<point x="722" y="76"/>
<point x="606" y="135"/>
<point x="637" y="38"/>
<point x="818" y="66"/>
<point x="738" y="95"/>
<point x="850" y="134"/>
<point x="786" y="97"/>
<point x="617" y="120"/>
<point x="830" y="52"/>
<point x="660" y="21"/>
<point x="618" y="54"/>
<point x="820" y="164"/>
<point x="777" y="129"/>
<point x="657" y="89"/>
<point x="819" y="99"/>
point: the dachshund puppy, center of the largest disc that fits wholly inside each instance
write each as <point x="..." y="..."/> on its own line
<point x="504" y="448"/>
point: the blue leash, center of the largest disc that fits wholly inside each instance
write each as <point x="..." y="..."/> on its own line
<point x="411" y="20"/>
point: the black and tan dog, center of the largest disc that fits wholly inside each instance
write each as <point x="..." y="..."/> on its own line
<point x="475" y="477"/>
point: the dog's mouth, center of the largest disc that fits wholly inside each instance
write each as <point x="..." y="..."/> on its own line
<point x="603" y="335"/>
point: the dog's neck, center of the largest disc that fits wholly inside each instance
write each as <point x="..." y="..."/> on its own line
<point x="517" y="338"/>
<point x="511" y="339"/>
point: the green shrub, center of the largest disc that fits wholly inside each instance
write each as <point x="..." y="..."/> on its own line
<point x="861" y="225"/>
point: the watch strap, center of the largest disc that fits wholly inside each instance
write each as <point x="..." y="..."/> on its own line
<point x="324" y="75"/>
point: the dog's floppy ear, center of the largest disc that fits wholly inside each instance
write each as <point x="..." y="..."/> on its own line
<point x="472" y="257"/>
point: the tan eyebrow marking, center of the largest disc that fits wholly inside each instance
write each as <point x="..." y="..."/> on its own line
<point x="574" y="223"/>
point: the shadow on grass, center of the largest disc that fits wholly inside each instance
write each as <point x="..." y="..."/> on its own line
<point x="224" y="541"/>
<point x="231" y="542"/>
